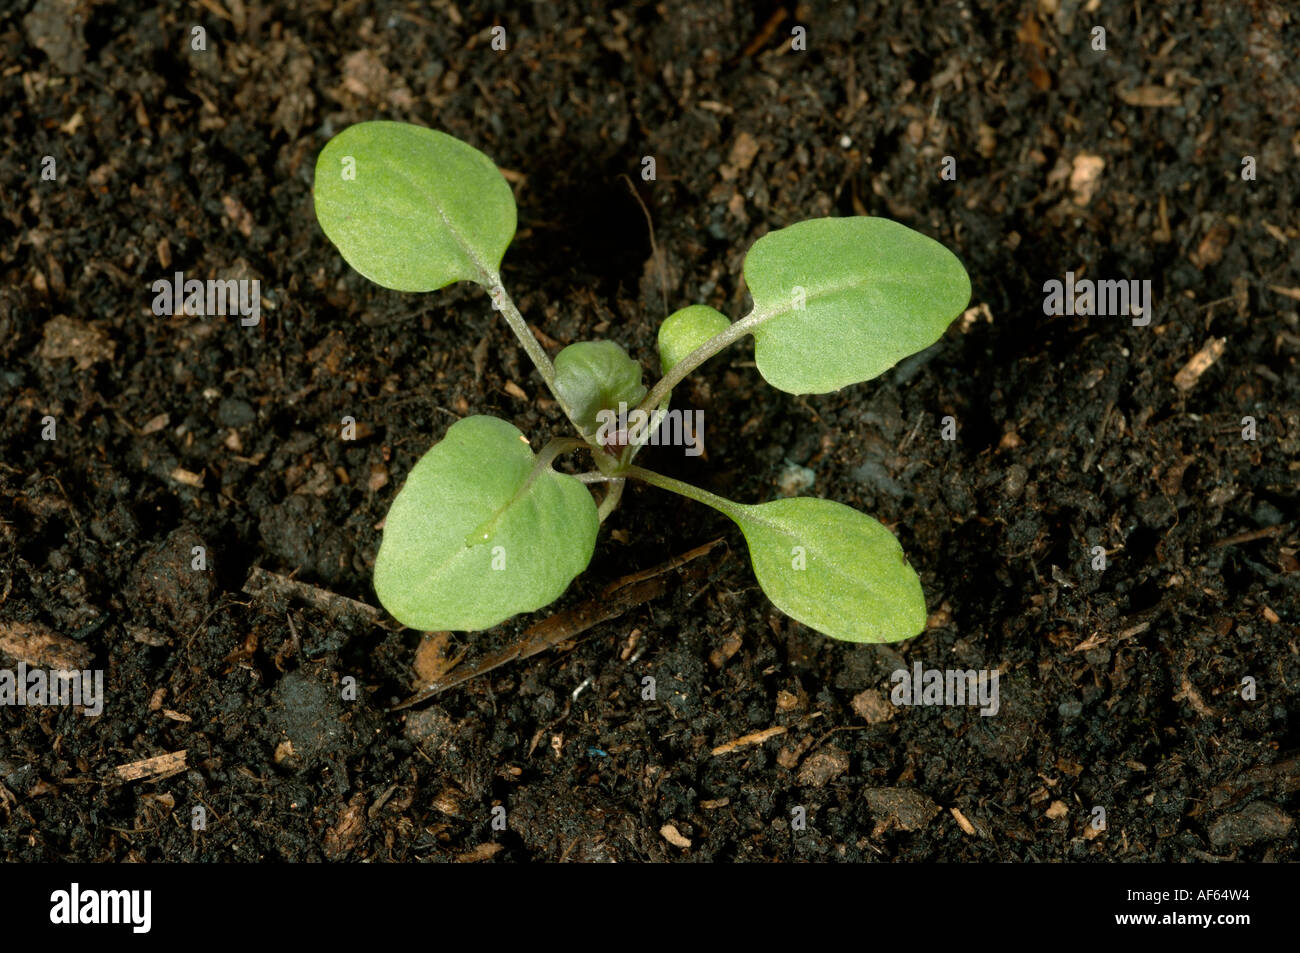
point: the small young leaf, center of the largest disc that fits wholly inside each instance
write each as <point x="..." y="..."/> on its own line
<point x="413" y="209"/>
<point x="592" y="376"/>
<point x="685" y="330"/>
<point x="833" y="569"/>
<point x="479" y="533"/>
<point x="847" y="298"/>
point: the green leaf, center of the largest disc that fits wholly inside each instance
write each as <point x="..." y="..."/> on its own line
<point x="854" y="584"/>
<point x="844" y="299"/>
<point x="411" y="208"/>
<point x="685" y="330"/>
<point x="480" y="533"/>
<point x="592" y="376"/>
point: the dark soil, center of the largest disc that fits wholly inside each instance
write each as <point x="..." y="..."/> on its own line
<point x="1120" y="689"/>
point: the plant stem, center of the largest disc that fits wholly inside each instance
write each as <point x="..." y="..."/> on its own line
<point x="690" y="362"/>
<point x="502" y="302"/>
<point x="721" y="504"/>
<point x="610" y="501"/>
<point x="553" y="449"/>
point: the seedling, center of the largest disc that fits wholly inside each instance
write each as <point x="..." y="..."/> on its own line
<point x="485" y="528"/>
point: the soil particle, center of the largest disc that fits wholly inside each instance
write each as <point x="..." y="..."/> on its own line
<point x="1255" y="822"/>
<point x="173" y="584"/>
<point x="309" y="713"/>
<point x="56" y="28"/>
<point x="823" y="766"/>
<point x="67" y="337"/>
<point x="901" y="808"/>
<point x="873" y="706"/>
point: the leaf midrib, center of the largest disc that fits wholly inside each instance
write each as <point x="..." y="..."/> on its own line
<point x="492" y="522"/>
<point x="423" y="189"/>
<point x="763" y="316"/>
<point x="827" y="565"/>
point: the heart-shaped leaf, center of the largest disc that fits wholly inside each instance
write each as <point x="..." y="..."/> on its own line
<point x="413" y="209"/>
<point x="480" y="532"/>
<point x="841" y="300"/>
<point x="685" y="330"/>
<point x="833" y="569"/>
<point x="592" y="376"/>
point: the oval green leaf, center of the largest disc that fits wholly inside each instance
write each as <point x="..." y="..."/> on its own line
<point x="413" y="209"/>
<point x="833" y="569"/>
<point x="842" y="300"/>
<point x="479" y="533"/>
<point x="685" y="330"/>
<point x="592" y="376"/>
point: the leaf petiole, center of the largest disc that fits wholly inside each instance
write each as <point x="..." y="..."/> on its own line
<point x="659" y="393"/>
<point x="501" y="301"/>
<point x="719" y="503"/>
<point x="610" y="501"/>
